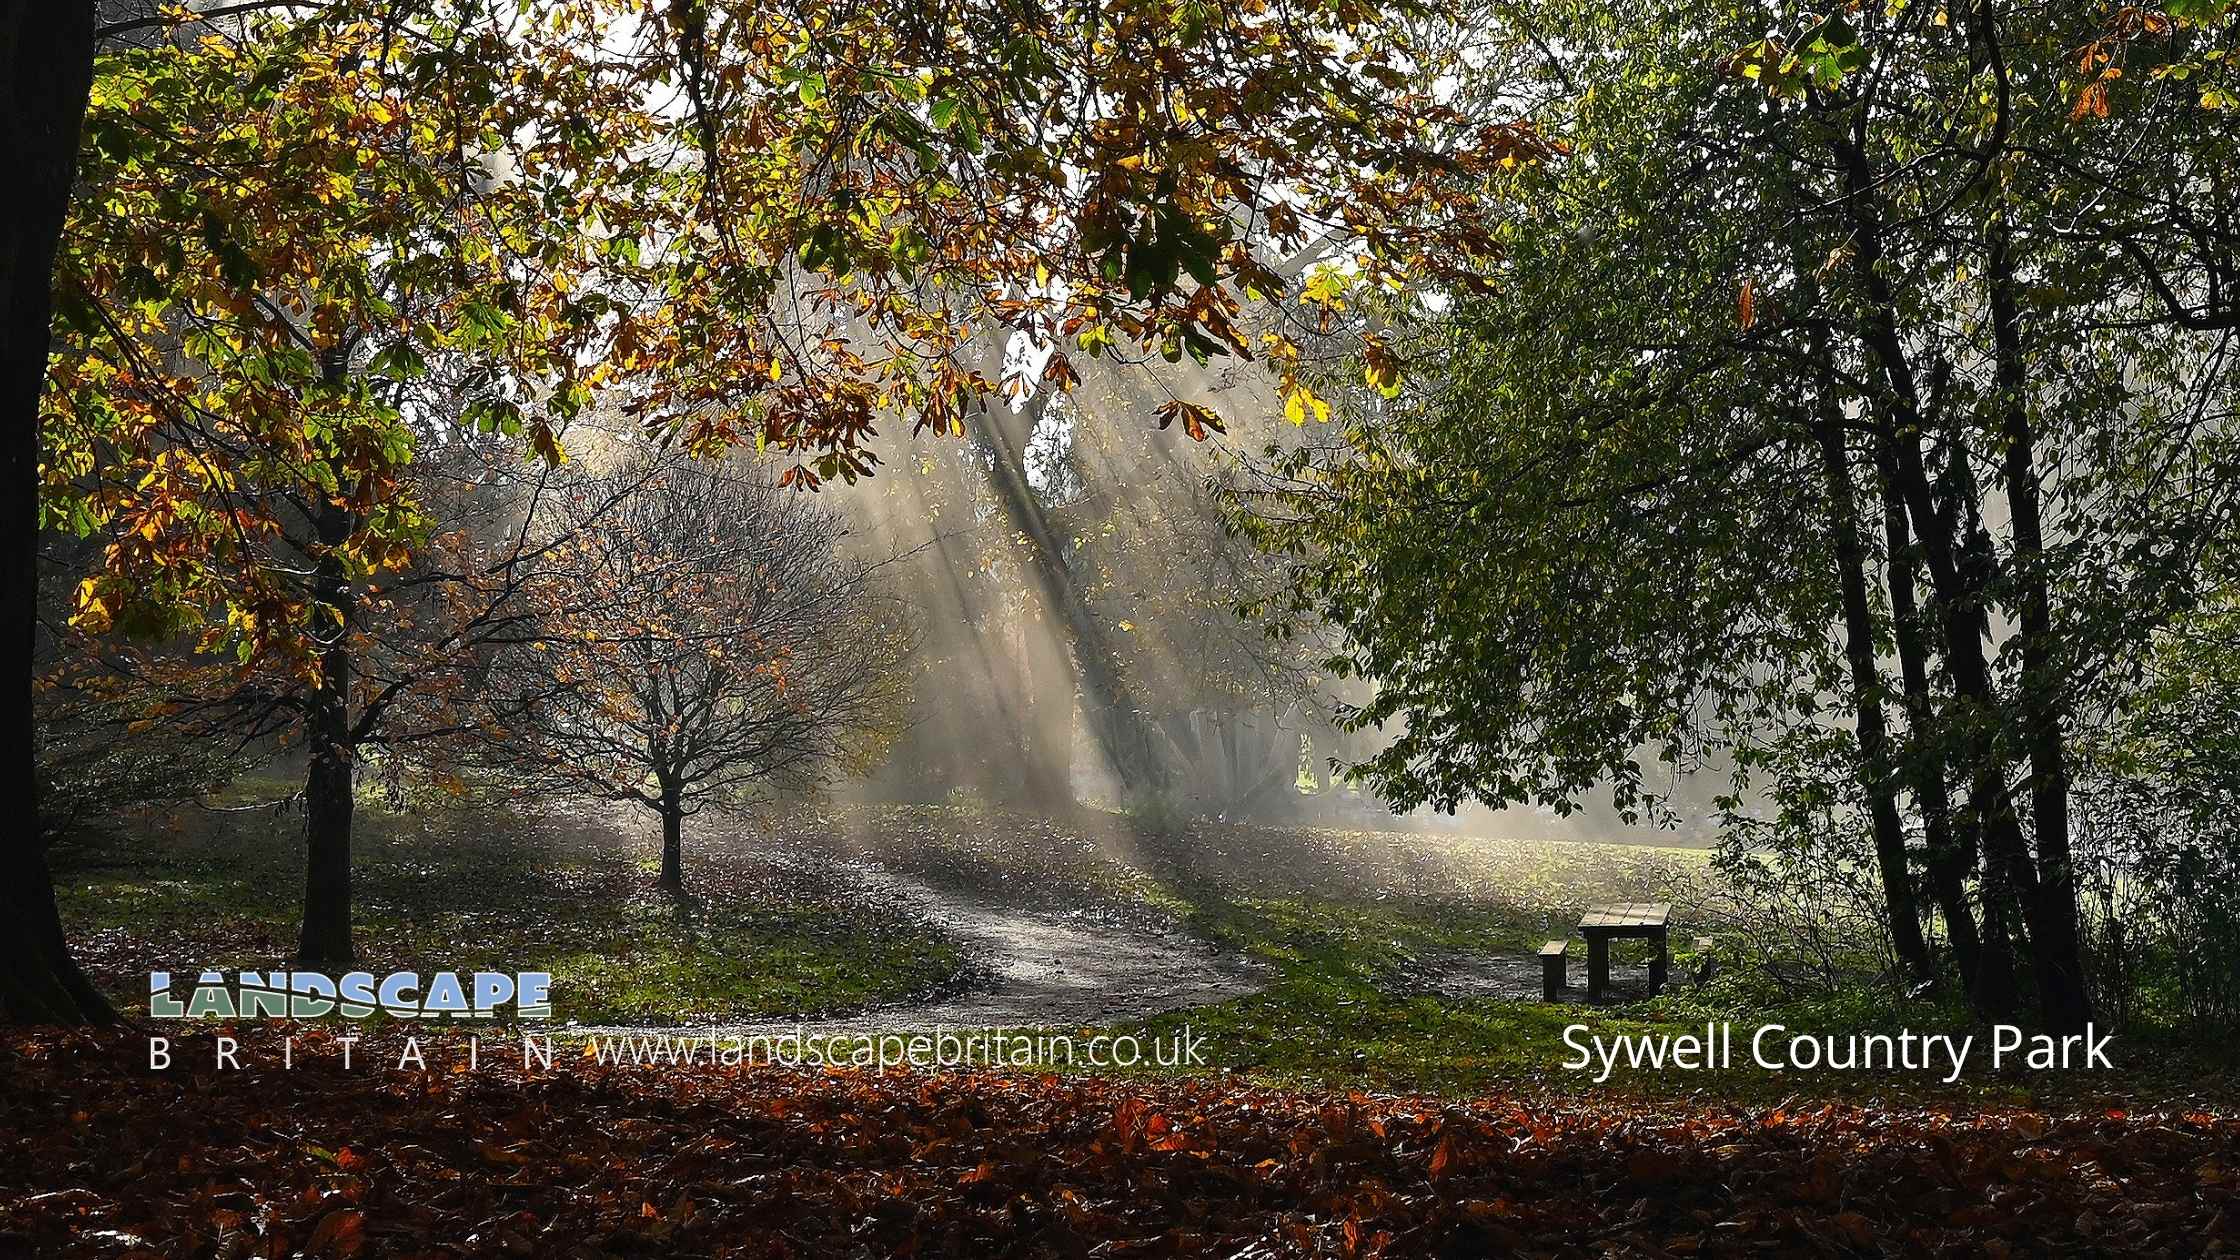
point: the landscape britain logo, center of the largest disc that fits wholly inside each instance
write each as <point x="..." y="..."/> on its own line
<point x="356" y="995"/>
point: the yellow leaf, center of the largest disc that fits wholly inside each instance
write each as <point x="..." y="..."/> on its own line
<point x="1302" y="403"/>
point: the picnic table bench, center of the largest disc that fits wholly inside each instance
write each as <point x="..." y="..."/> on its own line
<point x="1552" y="968"/>
<point x="1649" y="920"/>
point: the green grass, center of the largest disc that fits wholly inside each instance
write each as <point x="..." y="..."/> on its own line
<point x="1352" y="927"/>
<point x="1341" y="1011"/>
<point x="1348" y="923"/>
<point x="454" y="887"/>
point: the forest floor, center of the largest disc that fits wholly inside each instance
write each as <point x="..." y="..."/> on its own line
<point x="580" y="1160"/>
<point x="1299" y="955"/>
<point x="1374" y="1082"/>
<point x="565" y="887"/>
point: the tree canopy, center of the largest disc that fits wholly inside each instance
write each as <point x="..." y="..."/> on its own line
<point x="1825" y="342"/>
<point x="726" y="223"/>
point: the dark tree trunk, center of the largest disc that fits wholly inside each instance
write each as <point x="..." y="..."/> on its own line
<point x="1958" y="587"/>
<point x="329" y="796"/>
<point x="672" y="842"/>
<point x="328" y="803"/>
<point x="1996" y="989"/>
<point x="1988" y="822"/>
<point x="2056" y="958"/>
<point x="1876" y="774"/>
<point x="46" y="69"/>
<point x="1949" y="860"/>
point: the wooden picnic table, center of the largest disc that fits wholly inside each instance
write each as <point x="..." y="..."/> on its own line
<point x="1650" y="920"/>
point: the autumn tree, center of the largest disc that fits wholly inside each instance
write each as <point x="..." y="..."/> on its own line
<point x="1126" y="524"/>
<point x="417" y="645"/>
<point x="1121" y="185"/>
<point x="236" y="408"/>
<point x="1809" y="428"/>
<point x="289" y="210"/>
<point x="1078" y="582"/>
<point x="705" y="640"/>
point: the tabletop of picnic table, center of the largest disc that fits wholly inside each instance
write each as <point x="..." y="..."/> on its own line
<point x="1627" y="914"/>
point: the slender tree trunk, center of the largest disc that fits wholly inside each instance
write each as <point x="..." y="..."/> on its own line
<point x="328" y="803"/>
<point x="1949" y="859"/>
<point x="1996" y="985"/>
<point x="1044" y="773"/>
<point x="1122" y="732"/>
<point x="1958" y="590"/>
<point x="1988" y="820"/>
<point x="1876" y="775"/>
<point x="672" y="840"/>
<point x="46" y="69"/>
<point x="329" y="792"/>
<point x="2056" y="957"/>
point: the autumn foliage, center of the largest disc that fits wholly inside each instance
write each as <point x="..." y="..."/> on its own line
<point x="99" y="1156"/>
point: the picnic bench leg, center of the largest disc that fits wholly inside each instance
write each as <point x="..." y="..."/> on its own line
<point x="1660" y="964"/>
<point x="1598" y="965"/>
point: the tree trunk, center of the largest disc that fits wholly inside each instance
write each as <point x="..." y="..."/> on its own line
<point x="1045" y="772"/>
<point x="328" y="802"/>
<point x="329" y="797"/>
<point x="40" y="982"/>
<point x="672" y="841"/>
<point x="1995" y="995"/>
<point x="1876" y="775"/>
<point x="1120" y="729"/>
<point x="1958" y="590"/>
<point x="1948" y="860"/>
<point x="2056" y="958"/>
<point x="46" y="65"/>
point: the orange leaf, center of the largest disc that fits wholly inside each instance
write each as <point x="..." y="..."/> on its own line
<point x="342" y="1233"/>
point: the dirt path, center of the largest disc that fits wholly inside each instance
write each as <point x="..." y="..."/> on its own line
<point x="1028" y="967"/>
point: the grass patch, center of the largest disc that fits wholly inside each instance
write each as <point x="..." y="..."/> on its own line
<point x="458" y="887"/>
<point x="1352" y="926"/>
<point x="1347" y="1005"/>
<point x="1358" y="929"/>
<point x="1363" y="935"/>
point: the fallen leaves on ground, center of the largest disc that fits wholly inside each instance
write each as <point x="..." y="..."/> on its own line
<point x="99" y="1156"/>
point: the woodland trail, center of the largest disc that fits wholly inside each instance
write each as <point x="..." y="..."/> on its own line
<point x="1026" y="965"/>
